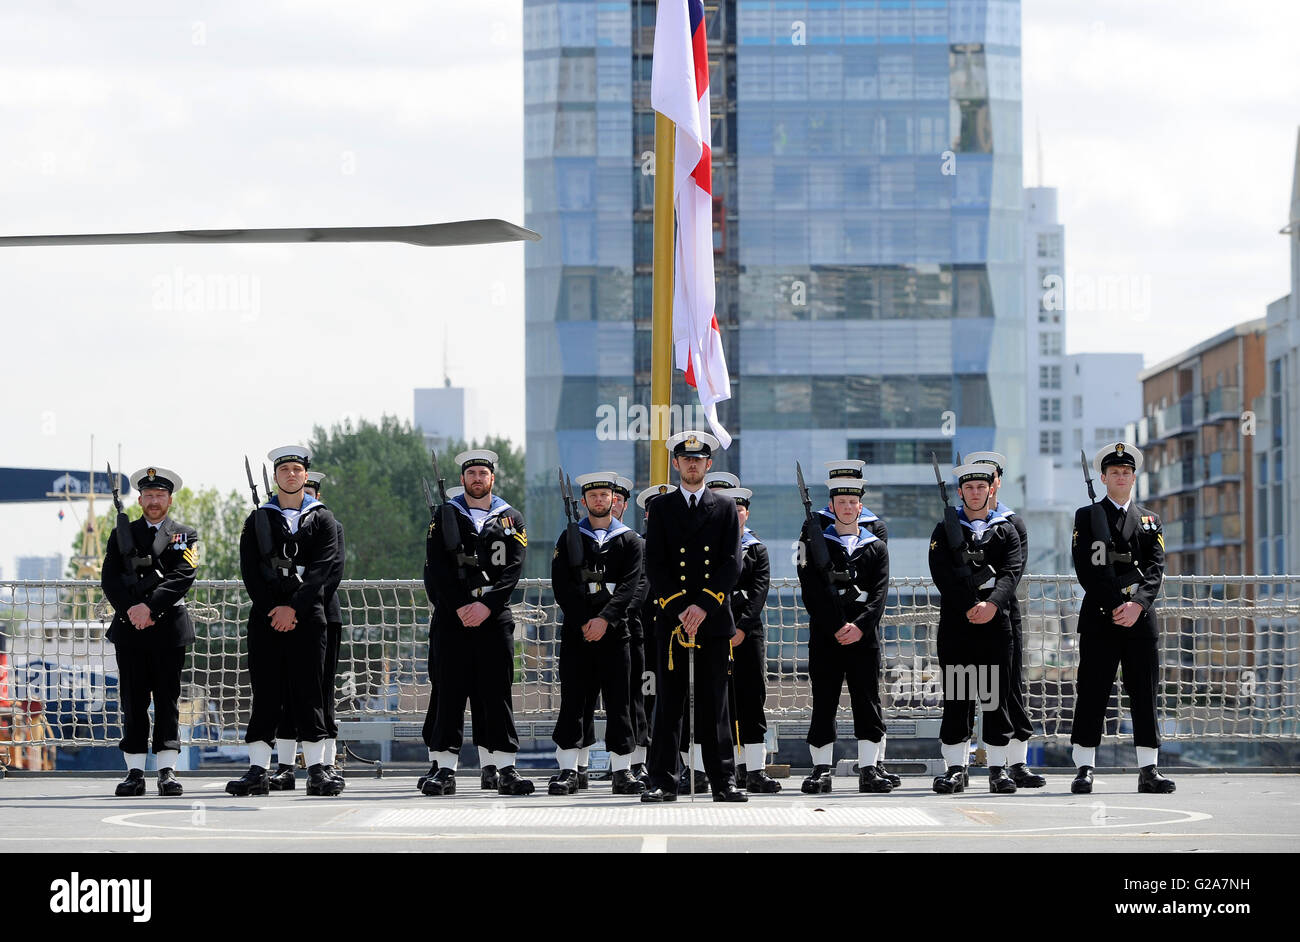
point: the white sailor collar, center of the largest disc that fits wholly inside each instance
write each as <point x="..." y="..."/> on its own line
<point x="616" y="526"/>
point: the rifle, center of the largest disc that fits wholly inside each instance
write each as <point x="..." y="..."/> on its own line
<point x="963" y="556"/>
<point x="261" y="526"/>
<point x="573" y="541"/>
<point x="1101" y="529"/>
<point x="139" y="573"/>
<point x="819" y="555"/>
<point x="266" y="481"/>
<point x="449" y="525"/>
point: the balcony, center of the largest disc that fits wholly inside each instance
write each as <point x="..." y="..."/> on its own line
<point x="1180" y="418"/>
<point x="1221" y="528"/>
<point x="1220" y="466"/>
<point x="1173" y="478"/>
<point x="1223" y="403"/>
<point x="1181" y="534"/>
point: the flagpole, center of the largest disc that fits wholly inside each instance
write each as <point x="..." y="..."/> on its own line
<point x="661" y="335"/>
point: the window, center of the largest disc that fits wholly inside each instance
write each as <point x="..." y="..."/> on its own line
<point x="1049" y="443"/>
<point x="1076" y="406"/>
<point x="901" y="452"/>
<point x="1049" y="245"/>
<point x="1102" y="435"/>
<point x="1049" y="377"/>
<point x="1049" y="344"/>
<point x="1049" y="409"/>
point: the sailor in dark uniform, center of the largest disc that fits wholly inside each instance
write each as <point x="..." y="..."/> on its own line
<point x="288" y="556"/>
<point x="853" y="468"/>
<point x="146" y="582"/>
<point x="749" y="650"/>
<point x="1119" y="556"/>
<point x="1022" y="727"/>
<point x="693" y="560"/>
<point x="975" y="571"/>
<point x="473" y="629"/>
<point x="285" y="737"/>
<point x="595" y="591"/>
<point x="648" y="681"/>
<point x="844" y="610"/>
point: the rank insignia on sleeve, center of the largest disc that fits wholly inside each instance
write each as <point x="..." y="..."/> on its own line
<point x="934" y="544"/>
<point x="521" y="536"/>
<point x="1160" y="538"/>
<point x="1074" y="540"/>
<point x="192" y="556"/>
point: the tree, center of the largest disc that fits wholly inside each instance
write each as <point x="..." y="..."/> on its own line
<point x="218" y="519"/>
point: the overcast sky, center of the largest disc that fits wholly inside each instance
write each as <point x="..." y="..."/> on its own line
<point x="1169" y="127"/>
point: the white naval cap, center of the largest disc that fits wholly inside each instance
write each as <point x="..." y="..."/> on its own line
<point x="740" y="495"/>
<point x="650" y="493"/>
<point x="455" y="491"/>
<point x="693" y="444"/>
<point x="298" y="453"/>
<point x="314" y="478"/>
<point x="588" y="482"/>
<point x="1117" y="453"/>
<point x="156" y="477"/>
<point x="846" y="485"/>
<point x="624" y="486"/>
<point x="988" y="457"/>
<point x="477" y="456"/>
<point x="974" y="471"/>
<point x="847" y="468"/>
<point x="721" y="479"/>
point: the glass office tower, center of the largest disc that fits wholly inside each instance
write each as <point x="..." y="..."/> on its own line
<point x="867" y="241"/>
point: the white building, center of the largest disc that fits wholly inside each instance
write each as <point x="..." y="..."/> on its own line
<point x="40" y="567"/>
<point x="1075" y="400"/>
<point x="447" y="414"/>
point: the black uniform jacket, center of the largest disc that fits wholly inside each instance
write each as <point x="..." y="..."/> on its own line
<point x="693" y="558"/>
<point x="333" y="612"/>
<point x="999" y="571"/>
<point x="750" y="595"/>
<point x="496" y="559"/>
<point x="615" y="584"/>
<point x="176" y="556"/>
<point x="314" y="558"/>
<point x="862" y="584"/>
<point x="1136" y="580"/>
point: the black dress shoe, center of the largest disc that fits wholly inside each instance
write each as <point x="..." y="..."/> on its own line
<point x="132" y="786"/>
<point x="582" y="777"/>
<point x="334" y="773"/>
<point x="1000" y="783"/>
<point x="730" y="793"/>
<point x="168" y="785"/>
<point x="419" y="783"/>
<point x="684" y="782"/>
<point x="625" y="783"/>
<point x="489" y="779"/>
<point x="1151" y="782"/>
<point x="819" y="782"/>
<point x="321" y="783"/>
<point x="641" y="773"/>
<point x="564" y="783"/>
<point x="952" y="781"/>
<point x="888" y="776"/>
<point x="441" y="782"/>
<point x="657" y="795"/>
<point x="282" y="780"/>
<point x="1082" y="784"/>
<point x="871" y="782"/>
<point x="1024" y="777"/>
<point x="760" y="783"/>
<point x="512" y="783"/>
<point x="253" y="782"/>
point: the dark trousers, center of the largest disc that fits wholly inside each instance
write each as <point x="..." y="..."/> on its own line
<point x="749" y="682"/>
<point x="475" y="665"/>
<point x="145" y="672"/>
<point x="636" y="691"/>
<point x="1102" y="649"/>
<point x="712" y="719"/>
<point x="294" y="660"/>
<point x="986" y="649"/>
<point x="830" y="665"/>
<point x="1022" y="727"/>
<point x="285" y="729"/>
<point x="588" y="668"/>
